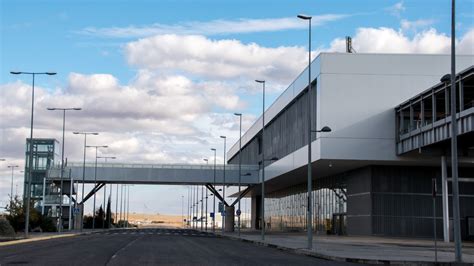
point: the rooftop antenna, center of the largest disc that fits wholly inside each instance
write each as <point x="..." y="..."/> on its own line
<point x="349" y="48"/>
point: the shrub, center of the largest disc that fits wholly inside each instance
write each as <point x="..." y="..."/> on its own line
<point x="5" y="228"/>
<point x="16" y="217"/>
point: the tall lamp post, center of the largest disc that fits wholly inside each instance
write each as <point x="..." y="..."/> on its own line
<point x="202" y="199"/>
<point x="11" y="189"/>
<point x="310" y="185"/>
<point x="454" y="142"/>
<point x="310" y="131"/>
<point x="214" y="198"/>
<point x="263" y="160"/>
<point x="84" y="170"/>
<point x="63" y="110"/>
<point x="223" y="189"/>
<point x="30" y="158"/>
<point x="96" y="147"/>
<point x="240" y="169"/>
<point x="105" y="192"/>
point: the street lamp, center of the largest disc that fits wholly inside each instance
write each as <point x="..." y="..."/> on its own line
<point x="105" y="191"/>
<point x="62" y="165"/>
<point x="214" y="198"/>
<point x="223" y="188"/>
<point x="240" y="169"/>
<point x="202" y="198"/>
<point x="309" y="208"/>
<point x="30" y="159"/>
<point x="263" y="159"/>
<point x="310" y="185"/>
<point x="454" y="142"/>
<point x="96" y="147"/>
<point x="189" y="207"/>
<point x="84" y="170"/>
<point x="11" y="189"/>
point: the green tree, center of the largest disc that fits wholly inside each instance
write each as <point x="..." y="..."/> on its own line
<point x="16" y="217"/>
<point x="108" y="216"/>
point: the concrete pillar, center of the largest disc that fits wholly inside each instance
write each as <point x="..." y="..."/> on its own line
<point x="77" y="217"/>
<point x="229" y="218"/>
<point x="445" y="199"/>
<point x="254" y="212"/>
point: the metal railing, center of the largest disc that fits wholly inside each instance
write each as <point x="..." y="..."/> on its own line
<point x="161" y="166"/>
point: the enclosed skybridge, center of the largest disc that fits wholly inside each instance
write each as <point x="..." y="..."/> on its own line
<point x="168" y="174"/>
<point x="101" y="174"/>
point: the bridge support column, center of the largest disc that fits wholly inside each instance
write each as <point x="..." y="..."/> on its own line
<point x="77" y="217"/>
<point x="229" y="218"/>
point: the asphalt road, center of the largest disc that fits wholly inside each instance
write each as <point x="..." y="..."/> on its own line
<point x="149" y="247"/>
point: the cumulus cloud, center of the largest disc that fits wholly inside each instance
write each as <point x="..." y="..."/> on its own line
<point x="388" y="40"/>
<point x="216" y="59"/>
<point x="414" y="25"/>
<point x="214" y="27"/>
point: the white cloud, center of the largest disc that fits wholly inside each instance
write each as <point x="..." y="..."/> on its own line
<point x="397" y="8"/>
<point x="388" y="40"/>
<point x="214" y="27"/>
<point x="217" y="59"/>
<point x="408" y="25"/>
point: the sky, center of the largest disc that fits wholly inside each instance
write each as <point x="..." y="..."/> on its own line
<point x="160" y="80"/>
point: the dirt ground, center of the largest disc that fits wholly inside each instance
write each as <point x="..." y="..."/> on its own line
<point x="153" y="220"/>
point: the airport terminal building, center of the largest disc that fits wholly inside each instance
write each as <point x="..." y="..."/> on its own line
<point x="372" y="174"/>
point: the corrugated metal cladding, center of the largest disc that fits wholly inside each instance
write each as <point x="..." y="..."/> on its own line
<point x="373" y="200"/>
<point x="285" y="134"/>
<point x="402" y="201"/>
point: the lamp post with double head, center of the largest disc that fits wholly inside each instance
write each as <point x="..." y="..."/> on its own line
<point x="84" y="171"/>
<point x="30" y="157"/>
<point x="61" y="175"/>
<point x="214" y="198"/>
<point x="223" y="188"/>
<point x="96" y="147"/>
<point x="240" y="169"/>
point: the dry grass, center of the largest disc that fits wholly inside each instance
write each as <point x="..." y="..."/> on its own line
<point x="154" y="220"/>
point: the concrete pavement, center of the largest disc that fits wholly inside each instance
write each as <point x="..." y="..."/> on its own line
<point x="149" y="247"/>
<point x="360" y="249"/>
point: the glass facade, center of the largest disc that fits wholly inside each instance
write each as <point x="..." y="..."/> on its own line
<point x="286" y="210"/>
<point x="45" y="155"/>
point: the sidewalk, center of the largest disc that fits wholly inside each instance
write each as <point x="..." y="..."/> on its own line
<point x="362" y="249"/>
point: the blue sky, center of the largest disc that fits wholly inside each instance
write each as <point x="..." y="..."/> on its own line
<point x="201" y="54"/>
<point x="45" y="34"/>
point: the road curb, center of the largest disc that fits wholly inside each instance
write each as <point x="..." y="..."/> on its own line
<point x="27" y="240"/>
<point x="314" y="254"/>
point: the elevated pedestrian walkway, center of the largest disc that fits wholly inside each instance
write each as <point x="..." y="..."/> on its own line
<point x="171" y="174"/>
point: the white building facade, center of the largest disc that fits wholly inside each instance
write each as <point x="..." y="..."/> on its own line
<point x="362" y="184"/>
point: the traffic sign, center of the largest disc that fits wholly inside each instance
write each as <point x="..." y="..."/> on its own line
<point x="211" y="214"/>
<point x="76" y="210"/>
<point x="239" y="212"/>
